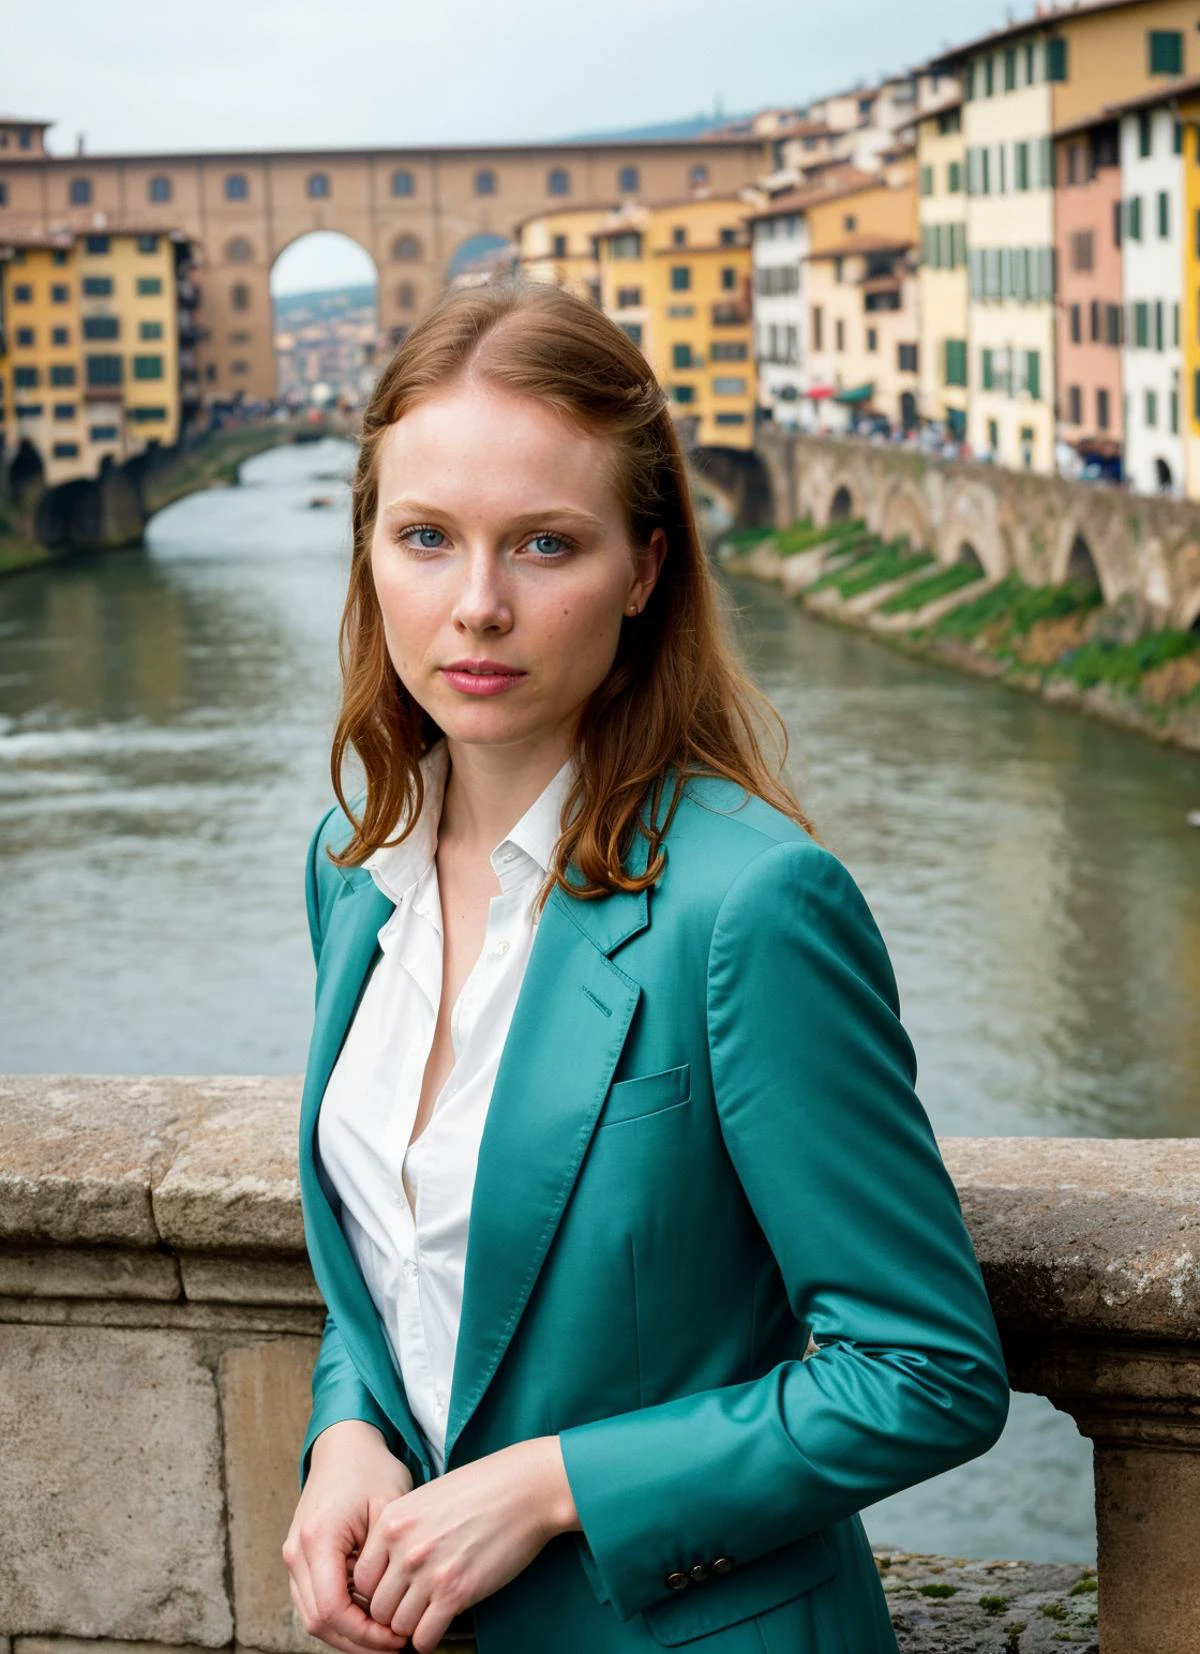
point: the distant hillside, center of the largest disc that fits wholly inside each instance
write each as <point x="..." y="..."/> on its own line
<point x="691" y="127"/>
<point x="324" y="301"/>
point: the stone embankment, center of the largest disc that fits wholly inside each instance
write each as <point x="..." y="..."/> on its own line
<point x="1060" y="641"/>
<point x="159" y="1323"/>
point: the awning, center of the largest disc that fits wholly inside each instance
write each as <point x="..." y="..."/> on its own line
<point x="817" y="393"/>
<point x="857" y="393"/>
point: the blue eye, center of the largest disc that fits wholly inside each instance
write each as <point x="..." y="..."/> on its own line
<point x="557" y="537"/>
<point x="425" y="546"/>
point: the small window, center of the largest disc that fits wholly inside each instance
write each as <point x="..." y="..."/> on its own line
<point x="683" y="393"/>
<point x="3" y="194"/>
<point x="1102" y="409"/>
<point x="1164" y="215"/>
<point x="1165" y="51"/>
<point x="64" y="410"/>
<point x="239" y="296"/>
<point x="66" y="450"/>
<point x="104" y="433"/>
<point x="60" y="336"/>
<point x="159" y="188"/>
<point x="237" y="187"/>
<point x="25" y="378"/>
<point x="558" y="181"/>
<point x="147" y="286"/>
<point x="147" y="244"/>
<point x="681" y="278"/>
<point x="681" y="356"/>
<point x="317" y="185"/>
<point x="104" y="370"/>
<point x="627" y="181"/>
<point x="96" y="244"/>
<point x="728" y="279"/>
<point x="872" y="339"/>
<point x="729" y="385"/>
<point x="403" y="182"/>
<point x="101" y="327"/>
<point x="147" y="367"/>
<point x="406" y="295"/>
<point x="79" y="192"/>
<point x="485" y="181"/>
<point x="60" y="293"/>
<point x="406" y="248"/>
<point x="1145" y="133"/>
<point x="97" y="287"/>
<point x="62" y="374"/>
<point x="150" y="330"/>
<point x="24" y="338"/>
<point x="239" y="250"/>
<point x="1056" y="58"/>
<point x="1010" y="69"/>
<point x="698" y="174"/>
<point x="632" y="330"/>
<point x="679" y="235"/>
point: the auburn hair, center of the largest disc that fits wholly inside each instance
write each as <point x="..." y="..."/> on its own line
<point x="675" y="702"/>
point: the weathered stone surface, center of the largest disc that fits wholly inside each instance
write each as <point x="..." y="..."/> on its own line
<point x="110" y="1486"/>
<point x="944" y="1605"/>
<point x="233" y="1186"/>
<point x="270" y="1280"/>
<point x="265" y="1400"/>
<point x="1083" y="1233"/>
<point x="70" y="1272"/>
<point x="1148" y="1534"/>
<point x="80" y="1645"/>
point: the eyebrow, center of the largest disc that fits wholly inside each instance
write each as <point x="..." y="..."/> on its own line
<point x="398" y="508"/>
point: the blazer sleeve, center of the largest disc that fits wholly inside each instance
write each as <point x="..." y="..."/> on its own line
<point x="338" y="1392"/>
<point x="813" y="1077"/>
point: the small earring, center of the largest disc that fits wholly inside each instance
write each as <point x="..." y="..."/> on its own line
<point x="632" y="609"/>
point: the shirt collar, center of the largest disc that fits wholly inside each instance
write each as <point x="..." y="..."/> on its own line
<point x="397" y="868"/>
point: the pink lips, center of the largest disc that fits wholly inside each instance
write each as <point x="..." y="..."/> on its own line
<point x="480" y="677"/>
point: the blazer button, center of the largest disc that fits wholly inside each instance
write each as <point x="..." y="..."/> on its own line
<point x="699" y="1571"/>
<point x="677" y="1581"/>
<point x="722" y="1564"/>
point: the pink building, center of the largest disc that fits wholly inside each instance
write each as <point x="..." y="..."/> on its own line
<point x="1087" y="234"/>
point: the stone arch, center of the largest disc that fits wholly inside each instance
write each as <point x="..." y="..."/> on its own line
<point x="904" y="516"/>
<point x="1080" y="556"/>
<point x="968" y="555"/>
<point x="479" y="257"/>
<point x="28" y="470"/>
<point x="1081" y="564"/>
<point x="328" y="280"/>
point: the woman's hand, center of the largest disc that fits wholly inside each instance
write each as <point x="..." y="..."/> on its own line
<point x="460" y="1537"/>
<point x="352" y="1478"/>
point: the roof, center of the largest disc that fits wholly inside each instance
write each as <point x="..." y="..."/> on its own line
<point x="834" y="187"/>
<point x="847" y="249"/>
<point x="1183" y="86"/>
<point x="1038" y="24"/>
<point x="34" y="238"/>
<point x="24" y="120"/>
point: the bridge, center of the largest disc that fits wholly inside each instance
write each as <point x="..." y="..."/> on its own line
<point x="424" y="215"/>
<point x="1142" y="551"/>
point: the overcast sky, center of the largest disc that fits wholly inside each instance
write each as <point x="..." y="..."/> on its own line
<point x="144" y="75"/>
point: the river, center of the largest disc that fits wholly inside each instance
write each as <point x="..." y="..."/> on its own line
<point x="165" y="716"/>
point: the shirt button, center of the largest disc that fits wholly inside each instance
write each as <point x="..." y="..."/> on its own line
<point x="677" y="1581"/>
<point x="501" y="947"/>
<point x="410" y="1267"/>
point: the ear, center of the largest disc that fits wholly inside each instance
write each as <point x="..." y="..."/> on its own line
<point x="649" y="565"/>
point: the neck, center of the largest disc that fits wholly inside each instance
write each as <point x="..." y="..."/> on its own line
<point x="489" y="789"/>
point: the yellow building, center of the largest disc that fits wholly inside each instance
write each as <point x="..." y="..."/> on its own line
<point x="676" y="276"/>
<point x="42" y="428"/>
<point x="558" y="247"/>
<point x="863" y="328"/>
<point x="1021" y="84"/>
<point x="129" y="321"/>
<point x="942" y="296"/>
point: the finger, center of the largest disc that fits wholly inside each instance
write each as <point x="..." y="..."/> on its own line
<point x="334" y="1612"/>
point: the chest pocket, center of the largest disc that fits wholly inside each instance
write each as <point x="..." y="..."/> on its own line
<point x="646" y="1094"/>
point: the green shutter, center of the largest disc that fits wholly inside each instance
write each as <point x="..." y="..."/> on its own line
<point x="1135" y="217"/>
<point x="1033" y="373"/>
<point x="988" y="380"/>
<point x="1056" y="59"/>
<point x="1165" y="51"/>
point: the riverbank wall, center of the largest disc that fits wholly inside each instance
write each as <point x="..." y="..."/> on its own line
<point x="1061" y="641"/>
<point x="159" y="1323"/>
<point x="92" y="515"/>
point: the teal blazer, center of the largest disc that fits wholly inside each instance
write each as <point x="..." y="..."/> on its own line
<point x="713" y="1248"/>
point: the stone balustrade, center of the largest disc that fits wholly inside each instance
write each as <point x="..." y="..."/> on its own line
<point x="159" y="1322"/>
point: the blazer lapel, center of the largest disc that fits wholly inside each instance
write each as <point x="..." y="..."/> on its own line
<point x="349" y="951"/>
<point x="570" y="1022"/>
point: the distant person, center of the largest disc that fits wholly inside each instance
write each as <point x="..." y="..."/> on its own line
<point x="593" y="998"/>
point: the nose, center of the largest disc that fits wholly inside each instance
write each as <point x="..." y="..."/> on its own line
<point x="482" y="603"/>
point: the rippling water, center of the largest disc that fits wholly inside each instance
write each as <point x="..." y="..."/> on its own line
<point x="165" y="716"/>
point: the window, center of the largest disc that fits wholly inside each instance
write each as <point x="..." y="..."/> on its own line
<point x="149" y="285"/>
<point x="1164" y="215"/>
<point x="79" y="192"/>
<point x="989" y="371"/>
<point x="66" y="450"/>
<point x="817" y="329"/>
<point x="1141" y="324"/>
<point x="727" y="237"/>
<point x="969" y="82"/>
<point x="1165" y="51"/>
<point x="62" y="373"/>
<point x="485" y="181"/>
<point x="734" y="350"/>
<point x="60" y="336"/>
<point x="1010" y="69"/>
<point x="627" y="181"/>
<point x="28" y="410"/>
<point x="872" y="339"/>
<point x="955" y="372"/>
<point x="681" y="356"/>
<point x="403" y="182"/>
<point x="158" y="188"/>
<point x="1159" y="332"/>
<point x="730" y="419"/>
<point x="1033" y="381"/>
<point x="838" y="268"/>
<point x="239" y="251"/>
<point x="633" y="330"/>
<point x="925" y="184"/>
<point x="1027" y="446"/>
<point x="839" y="334"/>
<point x="678" y="235"/>
<point x="104" y="433"/>
<point x="147" y="367"/>
<point x="97" y="287"/>
<point x="1112" y="324"/>
<point x="989" y="79"/>
<point x="628" y="297"/>
<point x="1076" y="330"/>
<point x="558" y="246"/>
<point x="558" y="181"/>
<point x="1095" y="321"/>
<point x="104" y="370"/>
<point x="143" y="416"/>
<point x="954" y="177"/>
<point x="698" y="174"/>
<point x="906" y="358"/>
<point x="1056" y="58"/>
<point x="405" y="248"/>
<point x="681" y="278"/>
<point x="1133" y="217"/>
<point x="317" y="185"/>
<point x="1177" y="138"/>
<point x="1152" y="409"/>
<point x="1145" y="133"/>
<point x="1175" y="324"/>
<point x="993" y="430"/>
<point x="1074" y="405"/>
<point x="24" y="337"/>
<point x="64" y="410"/>
<point x="1083" y="248"/>
<point x="25" y="378"/>
<point x="683" y="393"/>
<point x="1102" y="409"/>
<point x="239" y="296"/>
<point x="236" y="187"/>
<point x="240" y="367"/>
<point x="1117" y="217"/>
<point x="849" y="222"/>
<point x="1174" y="404"/>
<point x="96" y="244"/>
<point x="150" y="330"/>
<point x="406" y="296"/>
<point x="147" y="244"/>
<point x="1030" y="70"/>
<point x="628" y="245"/>
<point x="729" y="385"/>
<point x="728" y="278"/>
<point x="101" y="327"/>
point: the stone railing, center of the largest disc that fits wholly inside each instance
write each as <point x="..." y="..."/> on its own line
<point x="159" y="1325"/>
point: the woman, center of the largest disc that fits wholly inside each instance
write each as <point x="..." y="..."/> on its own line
<point x="591" y="995"/>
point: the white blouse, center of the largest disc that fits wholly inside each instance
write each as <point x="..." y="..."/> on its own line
<point x="412" y="1256"/>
